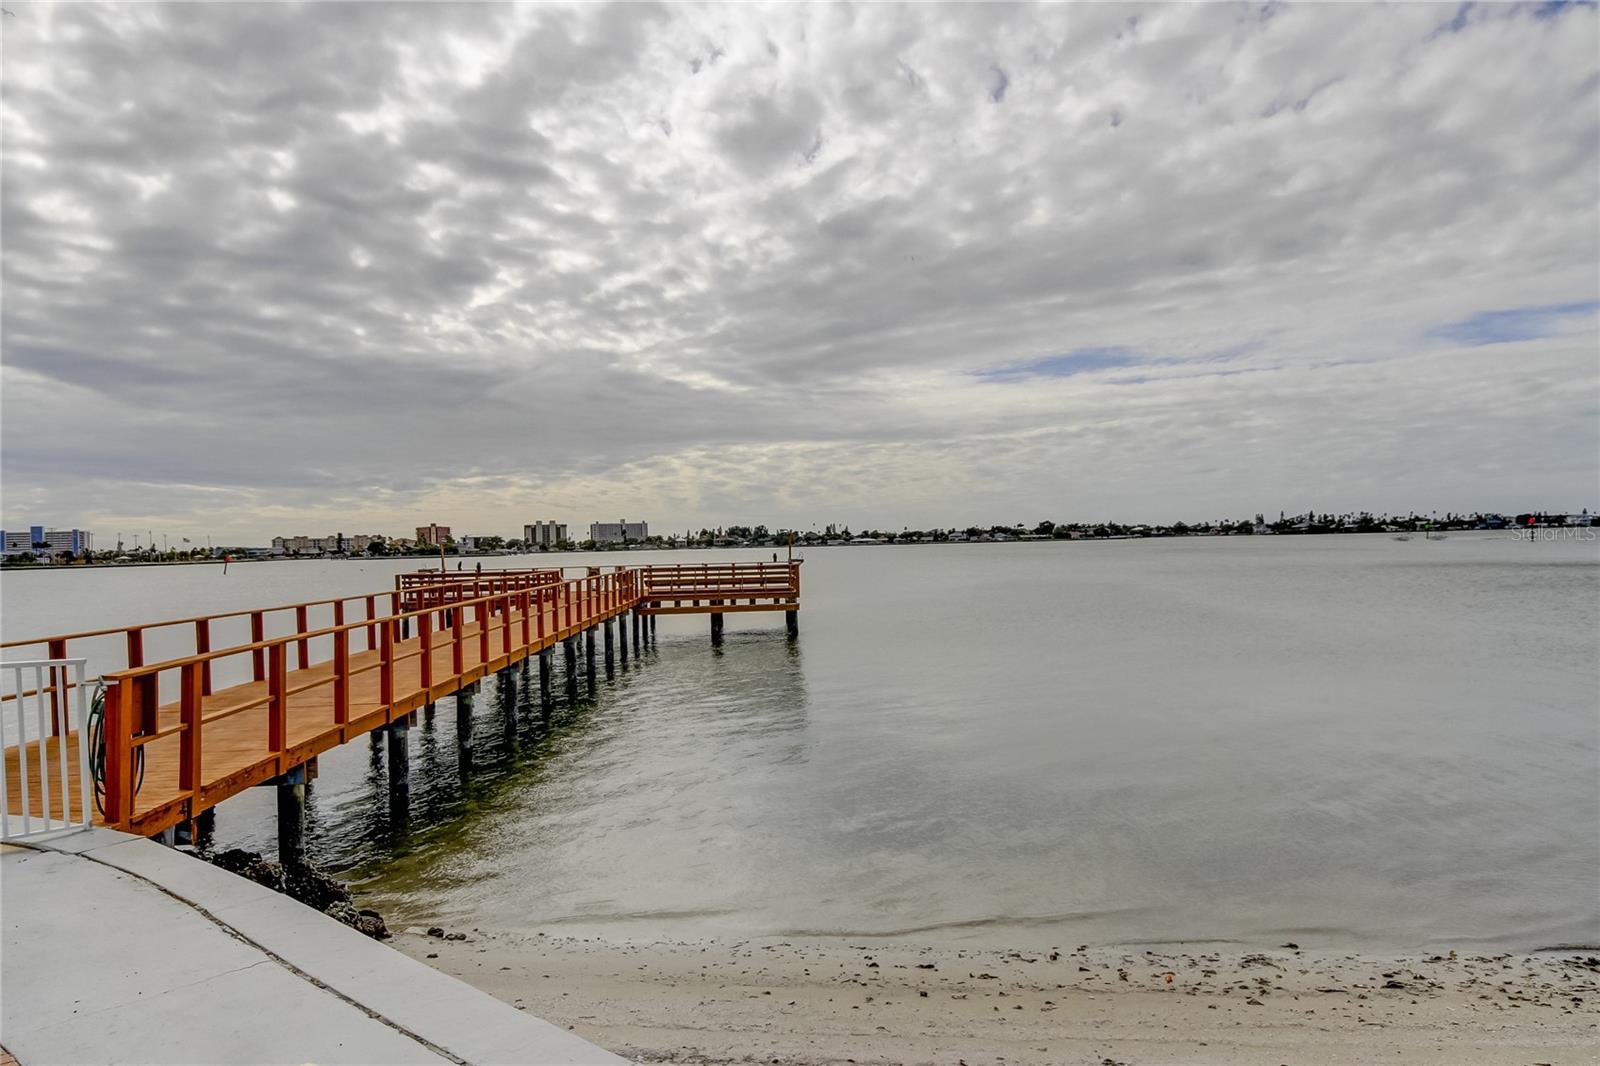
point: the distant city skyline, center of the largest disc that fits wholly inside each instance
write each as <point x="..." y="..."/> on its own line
<point x="278" y="271"/>
<point x="554" y="532"/>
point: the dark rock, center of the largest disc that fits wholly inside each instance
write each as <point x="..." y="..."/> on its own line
<point x="307" y="885"/>
<point x="436" y="931"/>
<point x="252" y="866"/>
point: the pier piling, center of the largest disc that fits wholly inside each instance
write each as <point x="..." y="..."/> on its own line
<point x="292" y="818"/>
<point x="569" y="648"/>
<point x="546" y="667"/>
<point x="399" y="771"/>
<point x="464" y="729"/>
<point x="588" y="656"/>
<point x="611" y="653"/>
<point x="791" y="623"/>
<point x="716" y="623"/>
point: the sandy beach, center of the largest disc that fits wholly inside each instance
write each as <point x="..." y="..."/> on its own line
<point x="862" y="1001"/>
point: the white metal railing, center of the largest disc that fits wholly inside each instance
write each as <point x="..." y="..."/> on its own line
<point x="47" y="691"/>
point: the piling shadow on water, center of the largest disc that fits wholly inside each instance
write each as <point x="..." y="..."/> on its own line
<point x="755" y="687"/>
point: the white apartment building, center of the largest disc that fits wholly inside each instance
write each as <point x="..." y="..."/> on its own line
<point x="544" y="534"/>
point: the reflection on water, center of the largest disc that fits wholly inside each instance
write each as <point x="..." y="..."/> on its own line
<point x="528" y="771"/>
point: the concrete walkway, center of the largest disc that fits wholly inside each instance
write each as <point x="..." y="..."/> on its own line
<point x="119" y="950"/>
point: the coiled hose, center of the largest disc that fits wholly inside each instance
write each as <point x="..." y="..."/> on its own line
<point x="97" y="749"/>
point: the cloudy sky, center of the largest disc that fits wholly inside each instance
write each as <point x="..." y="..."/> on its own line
<point x="282" y="269"/>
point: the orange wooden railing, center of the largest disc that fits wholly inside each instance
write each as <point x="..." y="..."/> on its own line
<point x="510" y="625"/>
<point x="698" y="581"/>
<point x="426" y="588"/>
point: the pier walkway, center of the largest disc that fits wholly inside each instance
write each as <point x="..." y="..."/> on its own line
<point x="180" y="735"/>
<point x="206" y="966"/>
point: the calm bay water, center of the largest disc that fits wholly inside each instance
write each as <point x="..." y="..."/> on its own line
<point x="1344" y="741"/>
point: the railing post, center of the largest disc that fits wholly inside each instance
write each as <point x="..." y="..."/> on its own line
<point x="302" y="646"/>
<point x="425" y="636"/>
<point x="505" y="623"/>
<point x="538" y="605"/>
<point x="524" y="601"/>
<point x="458" y="656"/>
<point x="386" y="670"/>
<point x="481" y="610"/>
<point x="372" y="629"/>
<point x="190" y="706"/>
<point x="341" y="676"/>
<point x="277" y="698"/>
<point x="258" y="633"/>
<point x="202" y="646"/>
<point x="135" y="648"/>
<point x="118" y="727"/>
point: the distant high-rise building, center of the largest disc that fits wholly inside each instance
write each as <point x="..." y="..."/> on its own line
<point x="617" y="532"/>
<point x="434" y="535"/>
<point x="544" y="534"/>
<point x="54" y="540"/>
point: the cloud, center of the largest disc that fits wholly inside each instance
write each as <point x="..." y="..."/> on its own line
<point x="272" y="269"/>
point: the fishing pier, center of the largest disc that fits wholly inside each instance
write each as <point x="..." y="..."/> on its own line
<point x="179" y="735"/>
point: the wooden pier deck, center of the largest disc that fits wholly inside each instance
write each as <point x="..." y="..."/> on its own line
<point x="175" y="748"/>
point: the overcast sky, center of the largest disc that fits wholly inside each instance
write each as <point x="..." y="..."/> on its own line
<point x="276" y="269"/>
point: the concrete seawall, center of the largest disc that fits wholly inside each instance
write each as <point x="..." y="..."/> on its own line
<point x="120" y="950"/>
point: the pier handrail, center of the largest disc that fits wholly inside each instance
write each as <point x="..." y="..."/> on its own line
<point x="267" y="642"/>
<point x="680" y="581"/>
<point x="133" y="701"/>
<point x="58" y="645"/>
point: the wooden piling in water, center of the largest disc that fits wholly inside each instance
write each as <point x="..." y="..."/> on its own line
<point x="464" y="729"/>
<point x="292" y="818"/>
<point x="399" y="771"/>
<point x="611" y="654"/>
<point x="569" y="648"/>
<point x="588" y="656"/>
<point x="546" y="668"/>
<point x="716" y="623"/>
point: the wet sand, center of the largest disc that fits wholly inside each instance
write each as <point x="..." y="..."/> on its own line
<point x="866" y="1002"/>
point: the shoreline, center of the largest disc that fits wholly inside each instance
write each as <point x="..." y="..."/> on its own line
<point x="817" y="1001"/>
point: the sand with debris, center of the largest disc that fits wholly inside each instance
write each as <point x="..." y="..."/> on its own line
<point x="864" y="1002"/>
